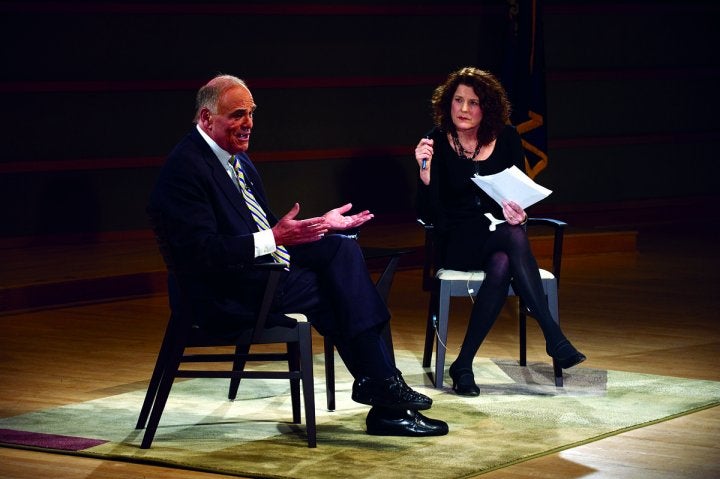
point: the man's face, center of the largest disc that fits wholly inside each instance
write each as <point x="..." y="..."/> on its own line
<point x="231" y="124"/>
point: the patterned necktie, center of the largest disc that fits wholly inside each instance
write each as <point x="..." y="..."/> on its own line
<point x="280" y="254"/>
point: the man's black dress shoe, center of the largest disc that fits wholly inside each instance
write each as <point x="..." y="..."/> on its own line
<point x="390" y="393"/>
<point x="566" y="355"/>
<point x="463" y="381"/>
<point x="390" y="422"/>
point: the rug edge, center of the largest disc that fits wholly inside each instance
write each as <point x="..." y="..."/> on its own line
<point x="592" y="439"/>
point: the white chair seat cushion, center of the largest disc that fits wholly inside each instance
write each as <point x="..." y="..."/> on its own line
<point x="454" y="275"/>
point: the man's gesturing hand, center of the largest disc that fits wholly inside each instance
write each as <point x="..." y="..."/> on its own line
<point x="337" y="221"/>
<point x="289" y="231"/>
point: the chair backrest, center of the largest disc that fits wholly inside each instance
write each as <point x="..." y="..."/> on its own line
<point x="177" y="279"/>
<point x="157" y="222"/>
<point x="558" y="228"/>
<point x="431" y="256"/>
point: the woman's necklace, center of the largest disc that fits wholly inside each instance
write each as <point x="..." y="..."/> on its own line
<point x="461" y="151"/>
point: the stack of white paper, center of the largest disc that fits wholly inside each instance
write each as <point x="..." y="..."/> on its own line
<point x="512" y="184"/>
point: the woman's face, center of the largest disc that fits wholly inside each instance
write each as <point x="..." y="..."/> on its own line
<point x="465" y="109"/>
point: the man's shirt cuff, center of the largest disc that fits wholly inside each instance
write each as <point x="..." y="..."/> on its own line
<point x="264" y="242"/>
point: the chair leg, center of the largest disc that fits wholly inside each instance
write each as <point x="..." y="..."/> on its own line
<point x="551" y="290"/>
<point x="306" y="372"/>
<point x="430" y="329"/>
<point x="558" y="374"/>
<point x="385" y="280"/>
<point x="329" y="373"/>
<point x="155" y="379"/>
<point x="386" y="335"/>
<point x="238" y="365"/>
<point x="293" y="350"/>
<point x="174" y="356"/>
<point x="522" y="333"/>
<point x="442" y="326"/>
<point x="383" y="285"/>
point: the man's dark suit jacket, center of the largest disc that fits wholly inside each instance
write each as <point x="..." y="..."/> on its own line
<point x="210" y="228"/>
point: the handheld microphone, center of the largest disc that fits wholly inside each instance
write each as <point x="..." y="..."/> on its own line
<point x="427" y="136"/>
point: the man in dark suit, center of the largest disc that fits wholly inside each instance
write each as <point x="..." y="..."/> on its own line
<point x="217" y="217"/>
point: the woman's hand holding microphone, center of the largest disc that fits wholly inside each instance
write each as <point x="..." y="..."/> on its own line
<point x="423" y="156"/>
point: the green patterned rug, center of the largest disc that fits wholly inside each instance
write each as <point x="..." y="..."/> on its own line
<point x="519" y="415"/>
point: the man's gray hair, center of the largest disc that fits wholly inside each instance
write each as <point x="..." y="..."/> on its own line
<point x="209" y="94"/>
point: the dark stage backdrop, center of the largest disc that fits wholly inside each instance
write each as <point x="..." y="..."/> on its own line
<point x="95" y="94"/>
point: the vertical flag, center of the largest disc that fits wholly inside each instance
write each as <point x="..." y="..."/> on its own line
<point x="523" y="76"/>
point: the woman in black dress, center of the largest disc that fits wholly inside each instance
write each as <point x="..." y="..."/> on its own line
<point x="472" y="135"/>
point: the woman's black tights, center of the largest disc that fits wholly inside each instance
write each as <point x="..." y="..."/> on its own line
<point x="507" y="256"/>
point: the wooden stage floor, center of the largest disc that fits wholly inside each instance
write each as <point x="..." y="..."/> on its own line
<point x="647" y="304"/>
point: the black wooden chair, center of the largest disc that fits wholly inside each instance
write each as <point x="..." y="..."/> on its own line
<point x="443" y="284"/>
<point x="181" y="334"/>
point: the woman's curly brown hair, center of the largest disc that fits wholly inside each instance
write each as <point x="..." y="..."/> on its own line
<point x="493" y="102"/>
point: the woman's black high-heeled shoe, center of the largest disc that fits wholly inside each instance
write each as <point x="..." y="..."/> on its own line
<point x="463" y="381"/>
<point x="566" y="355"/>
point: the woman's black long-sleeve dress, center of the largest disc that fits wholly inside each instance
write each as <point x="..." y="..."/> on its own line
<point x="456" y="205"/>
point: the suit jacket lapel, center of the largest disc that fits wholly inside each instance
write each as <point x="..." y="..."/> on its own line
<point x="228" y="185"/>
<point x="225" y="183"/>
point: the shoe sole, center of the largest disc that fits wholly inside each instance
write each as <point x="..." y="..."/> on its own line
<point x="441" y="432"/>
<point x="398" y="406"/>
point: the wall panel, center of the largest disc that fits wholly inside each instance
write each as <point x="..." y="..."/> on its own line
<point x="95" y="94"/>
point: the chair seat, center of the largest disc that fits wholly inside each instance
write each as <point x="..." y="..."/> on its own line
<point x="299" y="317"/>
<point x="462" y="283"/>
<point x="455" y="275"/>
